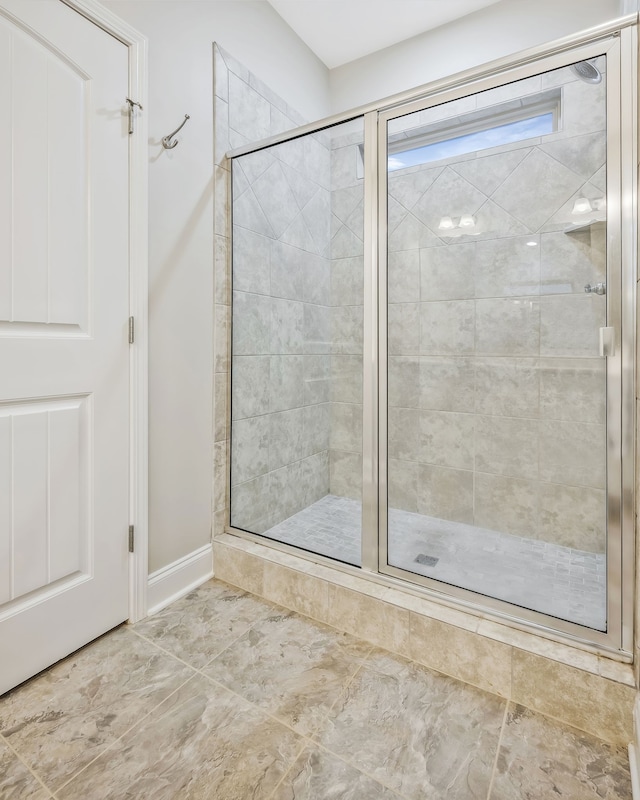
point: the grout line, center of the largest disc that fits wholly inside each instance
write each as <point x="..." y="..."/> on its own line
<point x="137" y="724"/>
<point x="186" y="663"/>
<point x="308" y="739"/>
<point x="495" y="760"/>
<point x="288" y="770"/>
<point x="25" y="764"/>
<point x="310" y="742"/>
<point x="360" y="770"/>
<point x="343" y="691"/>
<point x="75" y="774"/>
<point x="312" y="737"/>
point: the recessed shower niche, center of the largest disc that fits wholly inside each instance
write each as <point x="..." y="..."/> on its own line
<point x="432" y="352"/>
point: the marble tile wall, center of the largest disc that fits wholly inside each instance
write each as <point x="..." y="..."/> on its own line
<point x="280" y="330"/>
<point x="296" y="350"/>
<point x="273" y="364"/>
<point x="496" y="390"/>
<point x="496" y="393"/>
<point x="347" y="298"/>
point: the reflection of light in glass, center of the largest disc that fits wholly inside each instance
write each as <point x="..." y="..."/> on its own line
<point x="472" y="142"/>
<point x="446" y="223"/>
<point x="395" y="163"/>
<point x="581" y="206"/>
<point x="467" y="221"/>
<point x="600" y="204"/>
<point x="532" y="244"/>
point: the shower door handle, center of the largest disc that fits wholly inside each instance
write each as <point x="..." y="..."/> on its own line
<point x="607" y="341"/>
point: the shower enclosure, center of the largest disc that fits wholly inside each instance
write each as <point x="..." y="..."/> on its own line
<point x="433" y="339"/>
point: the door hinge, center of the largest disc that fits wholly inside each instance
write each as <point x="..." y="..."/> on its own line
<point x="131" y="538"/>
<point x="132" y="103"/>
<point x="132" y="330"/>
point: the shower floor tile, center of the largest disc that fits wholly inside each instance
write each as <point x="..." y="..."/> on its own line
<point x="559" y="581"/>
<point x="289" y="708"/>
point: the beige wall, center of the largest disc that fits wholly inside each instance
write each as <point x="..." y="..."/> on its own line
<point x="181" y="36"/>
<point x="493" y="32"/>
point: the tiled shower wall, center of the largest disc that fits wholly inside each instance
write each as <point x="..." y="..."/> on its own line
<point x="281" y="322"/>
<point x="246" y="110"/>
<point x="296" y="406"/>
<point x="347" y="265"/>
<point x="496" y="391"/>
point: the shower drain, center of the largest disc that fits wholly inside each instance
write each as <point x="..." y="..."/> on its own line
<point x="428" y="561"/>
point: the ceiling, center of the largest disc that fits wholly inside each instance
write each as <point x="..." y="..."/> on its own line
<point x="339" y="31"/>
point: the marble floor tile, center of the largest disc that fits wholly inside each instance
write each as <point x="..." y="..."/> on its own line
<point x="293" y="668"/>
<point x="204" y="622"/>
<point x="65" y="717"/>
<point x="202" y="743"/>
<point x="540" y="759"/>
<point x="318" y="775"/>
<point x="16" y="782"/>
<point x="420" y="733"/>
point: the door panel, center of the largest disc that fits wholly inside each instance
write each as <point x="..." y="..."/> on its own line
<point x="43" y="139"/>
<point x="296" y="450"/>
<point x="497" y="390"/>
<point x="64" y="353"/>
<point x="45" y="492"/>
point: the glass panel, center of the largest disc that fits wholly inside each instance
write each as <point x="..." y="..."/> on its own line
<point x="484" y="139"/>
<point x="496" y="390"/>
<point x="296" y="430"/>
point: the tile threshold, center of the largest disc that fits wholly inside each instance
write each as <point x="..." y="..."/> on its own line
<point x="376" y="587"/>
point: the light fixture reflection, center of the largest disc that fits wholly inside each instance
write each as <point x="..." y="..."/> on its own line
<point x="532" y="244"/>
<point x="446" y="224"/>
<point x="467" y="221"/>
<point x="582" y="205"/>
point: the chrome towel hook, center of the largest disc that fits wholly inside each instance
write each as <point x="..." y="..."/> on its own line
<point x="166" y="141"/>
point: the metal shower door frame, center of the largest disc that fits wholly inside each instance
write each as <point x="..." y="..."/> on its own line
<point x="618" y="40"/>
<point x="620" y="49"/>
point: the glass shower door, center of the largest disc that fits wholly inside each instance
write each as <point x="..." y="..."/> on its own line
<point x="496" y="342"/>
<point x="297" y="275"/>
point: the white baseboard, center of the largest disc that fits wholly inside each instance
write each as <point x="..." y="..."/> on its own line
<point x="177" y="579"/>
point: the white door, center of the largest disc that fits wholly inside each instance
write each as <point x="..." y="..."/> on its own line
<point x="64" y="361"/>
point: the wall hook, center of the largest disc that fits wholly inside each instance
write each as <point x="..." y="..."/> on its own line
<point x="166" y="141"/>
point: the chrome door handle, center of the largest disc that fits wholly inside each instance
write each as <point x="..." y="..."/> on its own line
<point x="607" y="341"/>
<point x="597" y="288"/>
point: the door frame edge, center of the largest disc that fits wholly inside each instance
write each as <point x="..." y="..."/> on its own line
<point x="137" y="45"/>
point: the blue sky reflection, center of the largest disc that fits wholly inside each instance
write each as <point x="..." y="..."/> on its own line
<point x="471" y="142"/>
